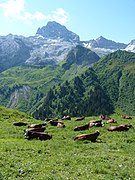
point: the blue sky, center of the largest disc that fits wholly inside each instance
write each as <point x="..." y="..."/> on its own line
<point x="113" y="19"/>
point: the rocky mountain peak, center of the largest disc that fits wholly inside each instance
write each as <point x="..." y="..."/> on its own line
<point x="101" y="38"/>
<point x="105" y="43"/>
<point x="54" y="30"/>
<point x="131" y="46"/>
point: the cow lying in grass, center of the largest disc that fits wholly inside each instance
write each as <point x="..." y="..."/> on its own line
<point x="19" y="124"/>
<point x="81" y="128"/>
<point x="56" y="123"/>
<point x="122" y="127"/>
<point x="34" y="128"/>
<point x="37" y="135"/>
<point x="40" y="129"/>
<point x="49" y="119"/>
<point x="66" y="118"/>
<point x="80" y="118"/>
<point x="104" y="117"/>
<point x="91" y="137"/>
<point x="37" y="125"/>
<point x="97" y="123"/>
<point x="126" y="117"/>
<point x="111" y="121"/>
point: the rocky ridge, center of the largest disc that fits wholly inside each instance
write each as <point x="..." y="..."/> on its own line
<point x="50" y="45"/>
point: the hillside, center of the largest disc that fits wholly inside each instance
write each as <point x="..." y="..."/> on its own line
<point x="116" y="73"/>
<point x="23" y="87"/>
<point x="106" y="87"/>
<point x="81" y="84"/>
<point x="61" y="156"/>
<point x="82" y="96"/>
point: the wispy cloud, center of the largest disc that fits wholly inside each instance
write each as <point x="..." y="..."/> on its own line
<point x="16" y="9"/>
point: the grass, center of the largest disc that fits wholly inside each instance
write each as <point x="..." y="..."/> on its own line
<point x="61" y="158"/>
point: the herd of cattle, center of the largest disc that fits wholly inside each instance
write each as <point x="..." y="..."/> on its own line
<point x="36" y="131"/>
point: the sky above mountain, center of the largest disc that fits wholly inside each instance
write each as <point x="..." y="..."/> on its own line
<point x="113" y="19"/>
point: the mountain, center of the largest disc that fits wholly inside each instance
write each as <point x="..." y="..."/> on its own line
<point x="54" y="30"/>
<point x="102" y="42"/>
<point x="80" y="56"/>
<point x="23" y="87"/>
<point x="32" y="69"/>
<point x="116" y="73"/>
<point x="73" y="86"/>
<point x="49" y="46"/>
<point x="13" y="52"/>
<point x="103" y="46"/>
<point x="81" y="96"/>
<point x="131" y="46"/>
<point x="105" y="87"/>
<point x="48" y="51"/>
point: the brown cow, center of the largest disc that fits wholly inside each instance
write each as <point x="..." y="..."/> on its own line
<point x="81" y="128"/>
<point x="54" y="119"/>
<point x="61" y="125"/>
<point x="126" y="117"/>
<point x="122" y="127"/>
<point x="53" y="122"/>
<point x="97" y="123"/>
<point x="37" y="135"/>
<point x="66" y="118"/>
<point x="111" y="121"/>
<point x="56" y="123"/>
<point x="19" y="124"/>
<point x="40" y="129"/>
<point x="37" y="125"/>
<point x="90" y="137"/>
<point x="104" y="117"/>
<point x="80" y="118"/>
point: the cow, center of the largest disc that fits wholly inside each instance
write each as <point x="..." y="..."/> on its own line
<point x="39" y="129"/>
<point x="56" y="123"/>
<point x="97" y="123"/>
<point x="104" y="117"/>
<point x="80" y="118"/>
<point x="81" y="128"/>
<point x="66" y="118"/>
<point x="111" y="121"/>
<point x="126" y="117"/>
<point x="122" y="127"/>
<point x="37" y="135"/>
<point x="49" y="119"/>
<point x="91" y="137"/>
<point x="61" y="125"/>
<point x="19" y="124"/>
<point x="53" y="122"/>
<point x="37" y="125"/>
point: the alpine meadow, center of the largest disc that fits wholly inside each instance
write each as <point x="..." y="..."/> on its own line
<point x="53" y="85"/>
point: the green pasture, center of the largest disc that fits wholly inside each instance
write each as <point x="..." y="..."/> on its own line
<point x="112" y="157"/>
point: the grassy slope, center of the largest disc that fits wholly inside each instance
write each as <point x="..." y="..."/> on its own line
<point x="62" y="158"/>
<point x="39" y="81"/>
<point x="116" y="73"/>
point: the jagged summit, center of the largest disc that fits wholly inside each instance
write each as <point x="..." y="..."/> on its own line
<point x="100" y="38"/>
<point x="103" y="46"/>
<point x="105" y="43"/>
<point x="131" y="46"/>
<point x="54" y="30"/>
